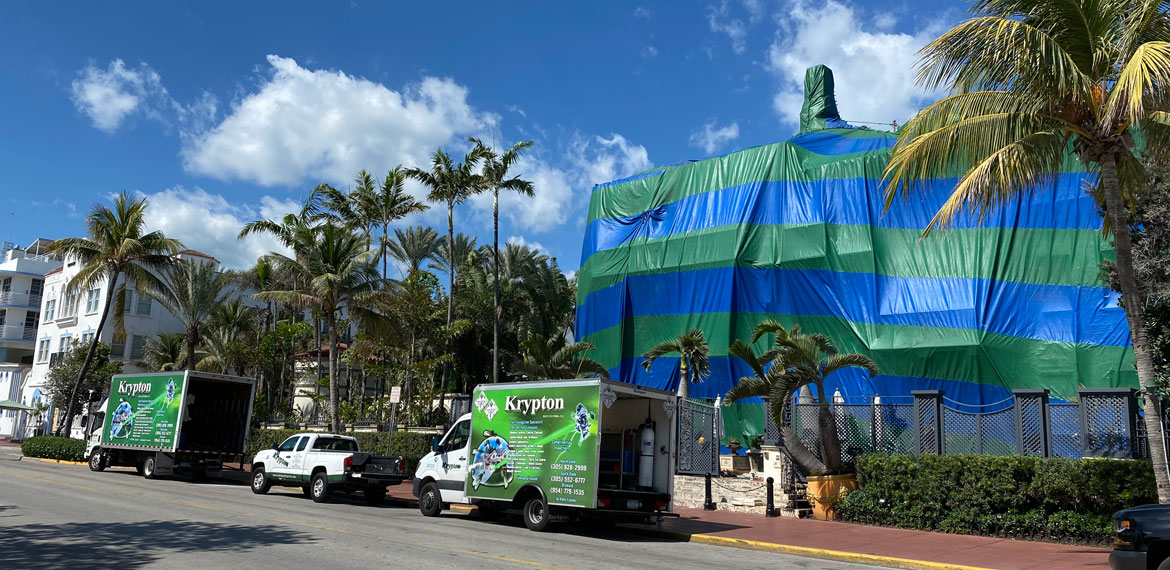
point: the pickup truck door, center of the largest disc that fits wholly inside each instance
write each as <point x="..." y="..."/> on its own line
<point x="452" y="462"/>
<point x="296" y="459"/>
<point x="280" y="467"/>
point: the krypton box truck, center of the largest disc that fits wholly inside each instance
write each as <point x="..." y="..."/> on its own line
<point x="555" y="451"/>
<point x="164" y="422"/>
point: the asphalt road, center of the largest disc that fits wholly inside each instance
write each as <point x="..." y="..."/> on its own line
<point x="55" y="516"/>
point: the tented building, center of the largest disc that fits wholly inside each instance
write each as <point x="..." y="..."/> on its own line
<point x="798" y="231"/>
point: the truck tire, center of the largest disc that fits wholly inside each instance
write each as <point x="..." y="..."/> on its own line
<point x="319" y="489"/>
<point x="536" y="516"/>
<point x="430" y="502"/>
<point x="375" y="496"/>
<point x="1165" y="565"/>
<point x="96" y="461"/>
<point x="260" y="482"/>
<point x="148" y="467"/>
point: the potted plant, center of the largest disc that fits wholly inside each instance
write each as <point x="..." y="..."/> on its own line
<point x="795" y="360"/>
<point x="733" y="444"/>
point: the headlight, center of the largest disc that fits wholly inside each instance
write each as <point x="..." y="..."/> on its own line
<point x="1120" y="525"/>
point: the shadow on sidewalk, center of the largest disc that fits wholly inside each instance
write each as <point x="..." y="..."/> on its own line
<point x="130" y="545"/>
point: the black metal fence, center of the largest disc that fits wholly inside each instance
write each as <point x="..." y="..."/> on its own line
<point x="1099" y="422"/>
<point x="698" y="437"/>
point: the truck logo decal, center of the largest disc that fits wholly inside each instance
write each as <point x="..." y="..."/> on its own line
<point x="530" y="406"/>
<point x="481" y="401"/>
<point x="490" y="409"/>
<point x="133" y="389"/>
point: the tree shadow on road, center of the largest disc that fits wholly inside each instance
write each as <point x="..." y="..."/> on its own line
<point x="130" y="545"/>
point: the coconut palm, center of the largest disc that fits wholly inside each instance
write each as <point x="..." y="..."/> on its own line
<point x="1031" y="80"/>
<point x="692" y="363"/>
<point x="495" y="178"/>
<point x="117" y="247"/>
<point x="389" y="204"/>
<point x="414" y="246"/>
<point x="794" y="361"/>
<point x="164" y="353"/>
<point x="557" y="359"/>
<point x="191" y="291"/>
<point x="336" y="272"/>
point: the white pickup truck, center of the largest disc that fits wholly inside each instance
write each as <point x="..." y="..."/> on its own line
<point x="323" y="463"/>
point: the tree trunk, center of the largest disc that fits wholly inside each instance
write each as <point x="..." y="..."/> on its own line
<point x="1131" y="296"/>
<point x="192" y="340"/>
<point x="67" y="424"/>
<point x="830" y="441"/>
<point x="684" y="389"/>
<point x="334" y="406"/>
<point x="799" y="452"/>
<point x="383" y="251"/>
<point x="452" y="264"/>
<point x="496" y="286"/>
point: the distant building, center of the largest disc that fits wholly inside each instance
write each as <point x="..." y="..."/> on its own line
<point x="22" y="285"/>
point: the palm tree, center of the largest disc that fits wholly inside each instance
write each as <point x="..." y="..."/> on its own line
<point x="797" y="360"/>
<point x="413" y="246"/>
<point x="451" y="261"/>
<point x="450" y="183"/>
<point x="391" y="203"/>
<point x="557" y="359"/>
<point x="1031" y="80"/>
<point x="692" y="363"/>
<point x="117" y="247"/>
<point x="164" y="353"/>
<point x="495" y="178"/>
<point x="191" y="291"/>
<point x="336" y="271"/>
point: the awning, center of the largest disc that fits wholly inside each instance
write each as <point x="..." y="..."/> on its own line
<point x="10" y="405"/>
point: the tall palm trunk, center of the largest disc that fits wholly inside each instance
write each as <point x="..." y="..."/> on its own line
<point x="684" y="388"/>
<point x="192" y="340"/>
<point x="334" y="405"/>
<point x="830" y="441"/>
<point x="496" y="285"/>
<point x="1132" y="297"/>
<point x="450" y="295"/>
<point x="64" y="426"/>
<point x="383" y="251"/>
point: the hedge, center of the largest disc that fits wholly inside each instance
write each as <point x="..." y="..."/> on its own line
<point x="51" y="447"/>
<point x="410" y="445"/>
<point x="1012" y="496"/>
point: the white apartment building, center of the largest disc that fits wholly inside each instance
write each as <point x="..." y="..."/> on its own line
<point x="73" y="317"/>
<point x="22" y="282"/>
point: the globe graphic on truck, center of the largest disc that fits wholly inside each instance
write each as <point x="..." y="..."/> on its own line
<point x="491" y="464"/>
<point x="122" y="421"/>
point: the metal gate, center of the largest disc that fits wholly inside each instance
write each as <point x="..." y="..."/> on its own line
<point x="698" y="439"/>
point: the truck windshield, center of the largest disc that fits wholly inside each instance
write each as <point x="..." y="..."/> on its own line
<point x="334" y="444"/>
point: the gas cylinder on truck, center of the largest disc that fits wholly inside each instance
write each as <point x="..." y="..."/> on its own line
<point x="646" y="456"/>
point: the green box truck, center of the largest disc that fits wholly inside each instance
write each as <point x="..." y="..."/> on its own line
<point x="166" y="421"/>
<point x="555" y="451"/>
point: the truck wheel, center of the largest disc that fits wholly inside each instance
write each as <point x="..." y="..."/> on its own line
<point x="536" y="514"/>
<point x="1165" y="565"/>
<point x="260" y="482"/>
<point x="430" y="502"/>
<point x="319" y="488"/>
<point x="96" y="462"/>
<point x="148" y="468"/>
<point x="374" y="496"/>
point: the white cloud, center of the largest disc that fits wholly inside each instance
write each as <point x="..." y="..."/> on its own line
<point x="711" y="138"/>
<point x="305" y="125"/>
<point x="873" y="71"/>
<point x="598" y="159"/>
<point x="110" y="96"/>
<point x="649" y="52"/>
<point x="210" y="223"/>
<point x="533" y="245"/>
<point x="722" y="20"/>
<point x="642" y="12"/>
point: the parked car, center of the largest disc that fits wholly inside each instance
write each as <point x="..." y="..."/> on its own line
<point x="1141" y="538"/>
<point x="323" y="463"/>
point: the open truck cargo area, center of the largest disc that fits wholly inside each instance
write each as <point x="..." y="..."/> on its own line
<point x="556" y="451"/>
<point x="167" y="421"/>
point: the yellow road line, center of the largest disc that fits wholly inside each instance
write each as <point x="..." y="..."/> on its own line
<point x="838" y="555"/>
<point x="489" y="556"/>
<point x="61" y="461"/>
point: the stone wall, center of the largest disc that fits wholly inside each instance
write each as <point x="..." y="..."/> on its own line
<point x="746" y="493"/>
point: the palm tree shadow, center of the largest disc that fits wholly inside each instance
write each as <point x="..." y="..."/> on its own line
<point x="131" y="544"/>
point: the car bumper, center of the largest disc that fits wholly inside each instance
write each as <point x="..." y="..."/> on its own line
<point x="1127" y="560"/>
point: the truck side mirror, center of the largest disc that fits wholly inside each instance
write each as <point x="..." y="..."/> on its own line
<point x="435" y="444"/>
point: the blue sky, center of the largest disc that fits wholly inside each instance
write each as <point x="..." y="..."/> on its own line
<point x="221" y="113"/>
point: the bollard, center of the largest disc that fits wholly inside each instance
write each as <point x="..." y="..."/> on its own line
<point x="708" y="504"/>
<point x="770" y="510"/>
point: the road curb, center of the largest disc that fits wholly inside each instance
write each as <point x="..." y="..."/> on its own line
<point x="61" y="461"/>
<point x="838" y="555"/>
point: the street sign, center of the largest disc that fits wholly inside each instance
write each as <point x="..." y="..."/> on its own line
<point x="395" y="394"/>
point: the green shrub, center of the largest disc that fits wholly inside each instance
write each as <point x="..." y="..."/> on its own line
<point x="50" y="447"/>
<point x="410" y="445"/>
<point x="1026" y="497"/>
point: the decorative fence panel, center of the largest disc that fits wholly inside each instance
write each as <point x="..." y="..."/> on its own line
<point x="698" y="440"/>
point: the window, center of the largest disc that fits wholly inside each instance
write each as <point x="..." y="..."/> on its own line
<point x="137" y="346"/>
<point x="3" y="316"/>
<point x="118" y="348"/>
<point x="6" y="285"/>
<point x="91" y="301"/>
<point x="85" y="338"/>
<point x="37" y="287"/>
<point x="334" y="444"/>
<point x="144" y="304"/>
<point x="289" y="444"/>
<point x="304" y="442"/>
<point x="43" y="350"/>
<point x="31" y="320"/>
<point x="50" y="309"/>
<point x="69" y="307"/>
<point x="458" y="436"/>
<point x="129" y="302"/>
<point x="63" y="343"/>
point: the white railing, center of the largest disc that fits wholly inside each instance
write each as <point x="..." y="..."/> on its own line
<point x="21" y="299"/>
<point x="17" y="332"/>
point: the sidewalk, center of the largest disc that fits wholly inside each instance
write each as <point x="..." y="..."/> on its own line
<point x="864" y="544"/>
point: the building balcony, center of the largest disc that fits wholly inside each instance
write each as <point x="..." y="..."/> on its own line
<point x="18" y="333"/>
<point x="13" y="298"/>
